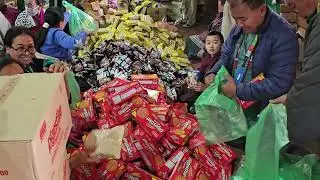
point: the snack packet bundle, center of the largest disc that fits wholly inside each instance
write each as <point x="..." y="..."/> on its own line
<point x="112" y="169"/>
<point x="186" y="168"/>
<point x="197" y="140"/>
<point x="167" y="168"/>
<point x="129" y="151"/>
<point x="85" y="110"/>
<point x="161" y="110"/>
<point x="150" y="123"/>
<point x="139" y="133"/>
<point x="125" y="94"/>
<point x="150" y="154"/>
<point x="203" y="155"/>
<point x="223" y="153"/>
<point x="116" y="82"/>
<point x="181" y="133"/>
<point x="168" y="147"/>
<point x="137" y="173"/>
<point x="85" y="172"/>
<point x="138" y="164"/>
<point x="148" y="81"/>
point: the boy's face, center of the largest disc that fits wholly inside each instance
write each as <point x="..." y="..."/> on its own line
<point x="213" y="44"/>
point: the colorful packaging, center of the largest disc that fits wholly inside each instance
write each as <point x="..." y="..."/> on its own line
<point x="119" y="88"/>
<point x="134" y="172"/>
<point x="161" y="110"/>
<point x="150" y="123"/>
<point x="206" y="173"/>
<point x="85" y="110"/>
<point x="247" y="104"/>
<point x="203" y="174"/>
<point x="168" y="147"/>
<point x="128" y="151"/>
<point x="150" y="154"/>
<point x="139" y="133"/>
<point x="223" y="153"/>
<point x="115" y="83"/>
<point x="176" y="115"/>
<point x="138" y="164"/>
<point x="128" y="129"/>
<point x="107" y="121"/>
<point x="139" y="102"/>
<point x="203" y="155"/>
<point x="149" y="81"/>
<point x="181" y="133"/>
<point x="125" y="94"/>
<point x="112" y="169"/>
<point x="186" y="168"/>
<point x="197" y="140"/>
<point x="86" y="172"/>
<point x="122" y="112"/>
<point x="167" y="168"/>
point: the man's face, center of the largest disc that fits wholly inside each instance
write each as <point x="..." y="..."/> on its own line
<point x="302" y="6"/>
<point x="248" y="19"/>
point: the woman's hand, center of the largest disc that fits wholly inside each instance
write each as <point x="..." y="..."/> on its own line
<point x="200" y="87"/>
<point x="57" y="67"/>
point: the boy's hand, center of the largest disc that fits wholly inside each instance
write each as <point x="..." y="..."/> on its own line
<point x="230" y="88"/>
<point x="208" y="80"/>
<point x="200" y="87"/>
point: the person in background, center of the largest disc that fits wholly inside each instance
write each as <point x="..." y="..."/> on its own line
<point x="189" y="12"/>
<point x="302" y="101"/>
<point x="53" y="41"/>
<point x="9" y="12"/>
<point x="5" y="26"/>
<point x="261" y="42"/>
<point x="21" y="52"/>
<point x="215" y="25"/>
<point x="32" y="17"/>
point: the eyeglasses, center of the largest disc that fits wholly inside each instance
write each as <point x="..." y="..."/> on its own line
<point x="22" y="50"/>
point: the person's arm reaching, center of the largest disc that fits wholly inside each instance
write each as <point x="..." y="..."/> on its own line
<point x="69" y="42"/>
<point x="279" y="76"/>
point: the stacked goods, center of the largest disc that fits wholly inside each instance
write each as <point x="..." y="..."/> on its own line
<point x="140" y="30"/>
<point x="120" y="60"/>
<point x="160" y="140"/>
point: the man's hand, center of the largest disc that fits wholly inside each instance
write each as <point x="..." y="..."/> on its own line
<point x="230" y="88"/>
<point x="208" y="80"/>
<point x="199" y="87"/>
<point x="280" y="100"/>
<point x="57" y="67"/>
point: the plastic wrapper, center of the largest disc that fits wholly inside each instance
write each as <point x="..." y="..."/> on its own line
<point x="129" y="152"/>
<point x="85" y="110"/>
<point x="105" y="143"/>
<point x="223" y="153"/>
<point x="134" y="172"/>
<point x="116" y="82"/>
<point x="186" y="168"/>
<point x="150" y="154"/>
<point x="112" y="169"/>
<point x="147" y="81"/>
<point x="85" y="172"/>
<point x="123" y="112"/>
<point x="161" y="110"/>
<point x="150" y="123"/>
<point x="139" y="133"/>
<point x="169" y="147"/>
<point x="125" y="95"/>
<point x="181" y="133"/>
<point x="203" y="155"/>
<point x="166" y="169"/>
<point x="197" y="140"/>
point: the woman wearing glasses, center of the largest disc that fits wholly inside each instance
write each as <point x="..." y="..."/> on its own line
<point x="21" y="52"/>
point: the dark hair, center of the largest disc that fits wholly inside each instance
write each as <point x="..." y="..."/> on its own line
<point x="223" y="2"/>
<point x="14" y="32"/>
<point x="252" y="4"/>
<point x="53" y="16"/>
<point x="216" y="33"/>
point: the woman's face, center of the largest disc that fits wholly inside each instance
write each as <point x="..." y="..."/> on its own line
<point x="22" y="49"/>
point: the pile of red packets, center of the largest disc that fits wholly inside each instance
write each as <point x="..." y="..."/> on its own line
<point x="162" y="141"/>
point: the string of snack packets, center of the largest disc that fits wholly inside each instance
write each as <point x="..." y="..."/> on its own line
<point x="161" y="140"/>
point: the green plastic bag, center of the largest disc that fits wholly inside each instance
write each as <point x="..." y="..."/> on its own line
<point x="73" y="88"/>
<point x="79" y="20"/>
<point x="264" y="141"/>
<point x="221" y="118"/>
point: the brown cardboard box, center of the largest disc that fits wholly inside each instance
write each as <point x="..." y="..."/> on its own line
<point x="35" y="125"/>
<point x="157" y="13"/>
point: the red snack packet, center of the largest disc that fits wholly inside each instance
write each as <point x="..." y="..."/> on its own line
<point x="129" y="151"/>
<point x="169" y="147"/>
<point x="180" y="106"/>
<point x="107" y="122"/>
<point x="126" y="94"/>
<point x="116" y="82"/>
<point x="134" y="172"/>
<point x="247" y="104"/>
<point x="181" y="133"/>
<point x="100" y="96"/>
<point x="203" y="174"/>
<point x="150" y="154"/>
<point x="197" y="140"/>
<point x="161" y="110"/>
<point x="139" y="102"/>
<point x="122" y="112"/>
<point x="223" y="153"/>
<point x="186" y="168"/>
<point x="122" y="87"/>
<point x="85" y="110"/>
<point x="86" y="171"/>
<point x="150" y="123"/>
<point x="206" y="173"/>
<point x="139" y="133"/>
<point x="128" y="129"/>
<point x="203" y="155"/>
<point x="149" y="81"/>
<point x="112" y="169"/>
<point x="176" y="115"/>
<point x="167" y="168"/>
<point x="138" y="164"/>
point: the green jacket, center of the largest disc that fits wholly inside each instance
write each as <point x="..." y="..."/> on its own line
<point x="303" y="106"/>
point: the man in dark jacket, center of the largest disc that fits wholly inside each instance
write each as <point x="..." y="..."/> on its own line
<point x="261" y="42"/>
<point x="303" y="100"/>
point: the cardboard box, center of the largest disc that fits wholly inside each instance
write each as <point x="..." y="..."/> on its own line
<point x="35" y="125"/>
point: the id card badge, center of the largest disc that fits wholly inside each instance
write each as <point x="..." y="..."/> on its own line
<point x="239" y="74"/>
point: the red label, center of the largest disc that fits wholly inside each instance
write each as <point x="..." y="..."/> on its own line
<point x="43" y="130"/>
<point x="54" y="132"/>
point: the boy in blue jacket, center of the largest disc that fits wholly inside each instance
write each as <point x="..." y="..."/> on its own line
<point x="53" y="41"/>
